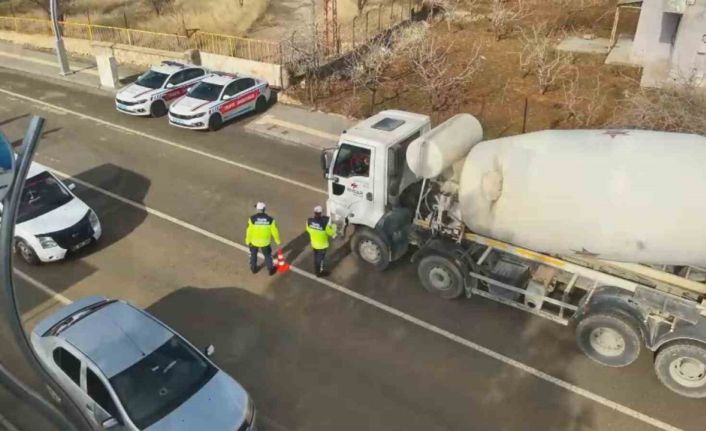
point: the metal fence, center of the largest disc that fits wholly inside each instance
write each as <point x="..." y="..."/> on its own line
<point x="223" y="44"/>
<point x="375" y="21"/>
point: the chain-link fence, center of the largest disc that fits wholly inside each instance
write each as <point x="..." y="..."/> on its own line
<point x="250" y="49"/>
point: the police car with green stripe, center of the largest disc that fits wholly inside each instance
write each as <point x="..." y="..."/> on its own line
<point x="219" y="98"/>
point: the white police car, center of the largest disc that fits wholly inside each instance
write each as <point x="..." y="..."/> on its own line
<point x="51" y="220"/>
<point x="219" y="98"/>
<point x="153" y="92"/>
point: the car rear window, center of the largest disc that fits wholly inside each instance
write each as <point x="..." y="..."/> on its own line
<point x="161" y="381"/>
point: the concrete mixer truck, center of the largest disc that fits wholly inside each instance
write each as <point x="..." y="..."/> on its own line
<point x="600" y="230"/>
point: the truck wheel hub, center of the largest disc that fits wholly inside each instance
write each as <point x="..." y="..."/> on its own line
<point x="439" y="278"/>
<point x="370" y="252"/>
<point x="607" y="342"/>
<point x="689" y="372"/>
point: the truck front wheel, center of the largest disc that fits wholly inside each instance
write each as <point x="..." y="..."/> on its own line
<point x="370" y="247"/>
<point x="681" y="367"/>
<point x="441" y="276"/>
<point x="609" y="339"/>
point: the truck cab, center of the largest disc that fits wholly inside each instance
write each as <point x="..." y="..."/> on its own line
<point x="367" y="175"/>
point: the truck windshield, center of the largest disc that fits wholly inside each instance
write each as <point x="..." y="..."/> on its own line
<point x="152" y="79"/>
<point x="161" y="381"/>
<point x="41" y="194"/>
<point x="352" y="161"/>
<point x="206" y="91"/>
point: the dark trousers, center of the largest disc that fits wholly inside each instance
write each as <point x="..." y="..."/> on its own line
<point x="319" y="256"/>
<point x="267" y="252"/>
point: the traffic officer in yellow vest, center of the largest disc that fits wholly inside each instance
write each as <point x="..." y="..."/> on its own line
<point x="261" y="230"/>
<point x="320" y="229"/>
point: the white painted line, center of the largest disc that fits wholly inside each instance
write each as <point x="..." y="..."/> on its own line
<point x="39" y="285"/>
<point x="7" y="424"/>
<point x="165" y="142"/>
<point x="269" y="119"/>
<point x="400" y="314"/>
<point x="44" y="62"/>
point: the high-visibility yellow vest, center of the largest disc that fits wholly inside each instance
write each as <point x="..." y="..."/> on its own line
<point x="320" y="229"/>
<point x="261" y="230"/>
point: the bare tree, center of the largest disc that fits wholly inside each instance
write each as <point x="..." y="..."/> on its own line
<point x="303" y="56"/>
<point x="42" y="4"/>
<point x="678" y="108"/>
<point x="366" y="68"/>
<point x="159" y="5"/>
<point x="540" y="58"/>
<point x="584" y="110"/>
<point x="504" y="19"/>
<point x="361" y="5"/>
<point x="438" y="76"/>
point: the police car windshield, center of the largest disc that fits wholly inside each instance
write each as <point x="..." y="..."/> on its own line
<point x="152" y="79"/>
<point x="206" y="91"/>
<point x="41" y="194"/>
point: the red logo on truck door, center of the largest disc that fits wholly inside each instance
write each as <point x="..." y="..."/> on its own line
<point x="239" y="101"/>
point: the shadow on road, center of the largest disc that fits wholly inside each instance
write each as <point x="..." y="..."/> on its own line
<point x="117" y="221"/>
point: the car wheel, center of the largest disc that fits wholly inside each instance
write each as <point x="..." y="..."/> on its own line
<point x="609" y="339"/>
<point x="370" y="248"/>
<point x="441" y="276"/>
<point x="26" y="252"/>
<point x="260" y="104"/>
<point x="681" y="367"/>
<point x="158" y="109"/>
<point x="215" y="122"/>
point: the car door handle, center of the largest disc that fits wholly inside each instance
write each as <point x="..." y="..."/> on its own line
<point x="89" y="407"/>
<point x="369" y="196"/>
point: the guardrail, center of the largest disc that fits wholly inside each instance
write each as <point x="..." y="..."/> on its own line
<point x="223" y="44"/>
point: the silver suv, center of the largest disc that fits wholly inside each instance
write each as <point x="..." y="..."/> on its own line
<point x="130" y="371"/>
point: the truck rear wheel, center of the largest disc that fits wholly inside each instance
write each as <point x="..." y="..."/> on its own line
<point x="371" y="248"/>
<point x="681" y="367"/>
<point x="441" y="276"/>
<point x="609" y="339"/>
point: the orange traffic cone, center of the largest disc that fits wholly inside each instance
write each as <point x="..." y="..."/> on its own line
<point x="282" y="265"/>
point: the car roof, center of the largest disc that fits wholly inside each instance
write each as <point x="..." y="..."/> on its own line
<point x="169" y="67"/>
<point x="116" y="336"/>
<point x="221" y="78"/>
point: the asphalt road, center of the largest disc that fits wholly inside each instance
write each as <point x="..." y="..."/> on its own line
<point x="367" y="351"/>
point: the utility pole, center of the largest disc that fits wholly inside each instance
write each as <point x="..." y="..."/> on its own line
<point x="59" y="42"/>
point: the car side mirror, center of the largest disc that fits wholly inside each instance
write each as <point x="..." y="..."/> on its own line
<point x="7" y="166"/>
<point x="209" y="351"/>
<point x="110" y="423"/>
<point x="227" y="96"/>
<point x="325" y="159"/>
<point x="170" y="85"/>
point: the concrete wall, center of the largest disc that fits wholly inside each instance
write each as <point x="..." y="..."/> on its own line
<point x="136" y="54"/>
<point x="653" y="38"/>
<point x="689" y="54"/>
<point x="76" y="46"/>
<point x="273" y="73"/>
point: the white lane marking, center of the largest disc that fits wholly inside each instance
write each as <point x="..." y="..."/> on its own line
<point x="45" y="62"/>
<point x="269" y="119"/>
<point x="7" y="424"/>
<point x="400" y="314"/>
<point x="44" y="288"/>
<point x="165" y="142"/>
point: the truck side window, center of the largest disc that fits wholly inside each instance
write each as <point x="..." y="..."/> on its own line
<point x="352" y="161"/>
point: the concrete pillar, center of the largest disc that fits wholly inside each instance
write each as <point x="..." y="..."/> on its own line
<point x="689" y="56"/>
<point x="108" y="71"/>
<point x="193" y="56"/>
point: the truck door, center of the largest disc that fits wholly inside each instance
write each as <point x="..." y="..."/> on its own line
<point x="351" y="186"/>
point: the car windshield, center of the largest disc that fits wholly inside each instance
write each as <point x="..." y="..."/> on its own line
<point x="41" y="194"/>
<point x="161" y="381"/>
<point x="206" y="91"/>
<point x="152" y="79"/>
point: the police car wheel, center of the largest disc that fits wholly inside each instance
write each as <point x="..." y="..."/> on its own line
<point x="260" y="104"/>
<point x="215" y="122"/>
<point x="158" y="109"/>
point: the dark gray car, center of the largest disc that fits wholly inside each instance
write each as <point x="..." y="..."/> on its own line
<point x="131" y="372"/>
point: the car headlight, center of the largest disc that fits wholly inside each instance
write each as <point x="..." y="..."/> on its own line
<point x="141" y="101"/>
<point x="47" y="242"/>
<point x="93" y="219"/>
